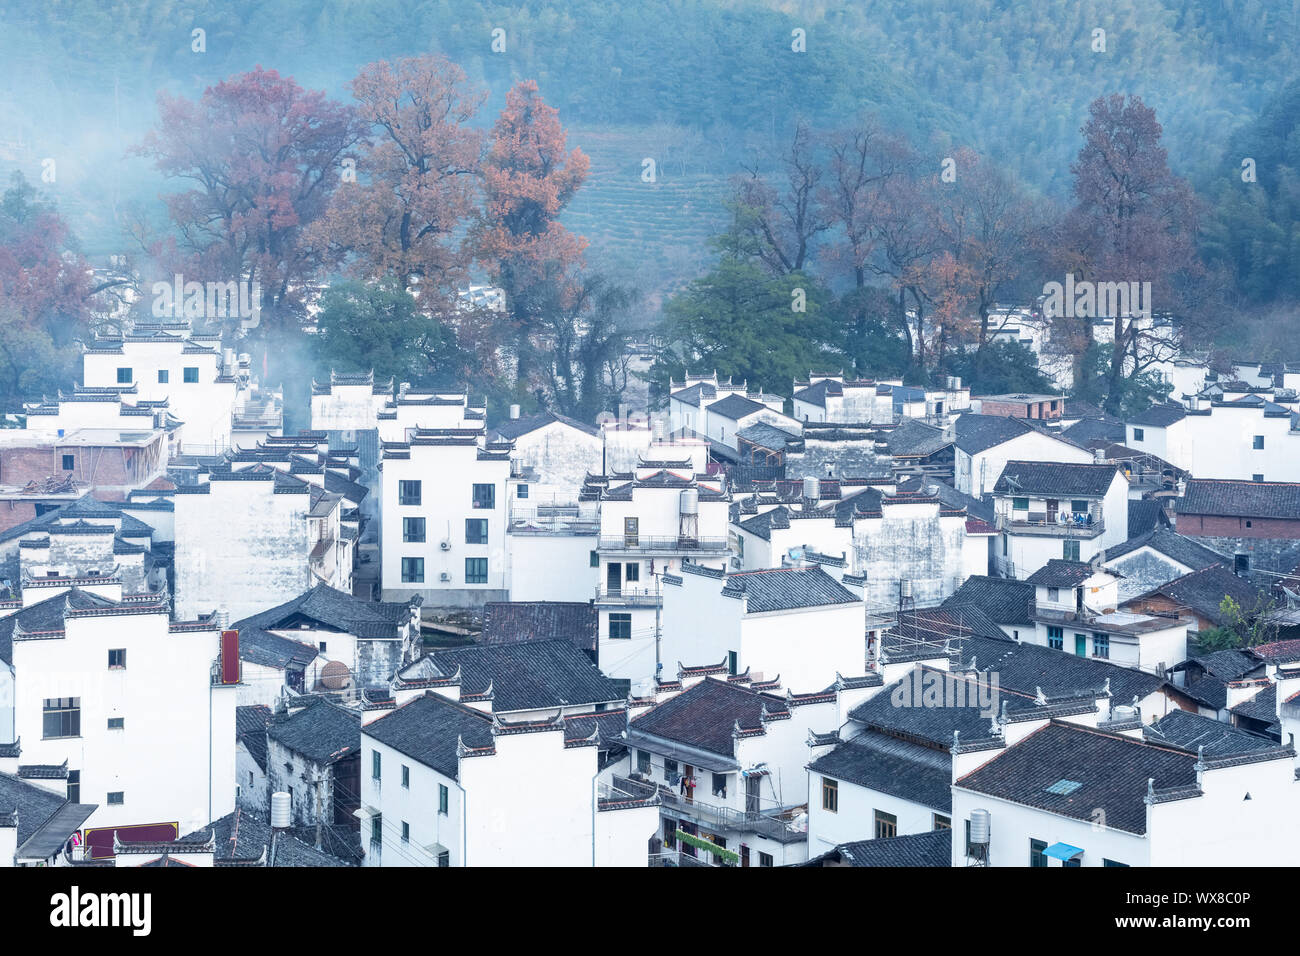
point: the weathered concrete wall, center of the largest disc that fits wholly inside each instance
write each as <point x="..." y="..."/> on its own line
<point x="1279" y="555"/>
<point x="910" y="542"/>
<point x="1144" y="570"/>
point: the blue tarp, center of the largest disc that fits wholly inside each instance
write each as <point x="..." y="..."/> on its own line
<point x="1062" y="851"/>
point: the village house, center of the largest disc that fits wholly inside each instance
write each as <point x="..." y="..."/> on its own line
<point x="442" y="787"/>
<point x="443" y="540"/>
<point x="313" y="754"/>
<point x="833" y="398"/>
<point x="38" y="815"/>
<point x="1244" y="439"/>
<point x="1156" y="557"/>
<point x="1256" y="524"/>
<point x="1047" y="509"/>
<point x="252" y="786"/>
<point x="795" y="623"/>
<point x="82" y="667"/>
<point x="111" y="462"/>
<point x="1056" y="799"/>
<point x="1021" y="405"/>
<point x="555" y="451"/>
<point x="516" y="622"/>
<point x="1198" y="597"/>
<point x="985" y="443"/>
<point x="346" y="409"/>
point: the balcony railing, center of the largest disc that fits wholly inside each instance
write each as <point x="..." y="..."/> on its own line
<point x="764" y="823"/>
<point x="629" y="597"/>
<point x="646" y="543"/>
<point x="1067" y="526"/>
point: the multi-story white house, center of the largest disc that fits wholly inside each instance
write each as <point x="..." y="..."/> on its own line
<point x="445" y="783"/>
<point x="832" y="398"/>
<point x="795" y="623"/>
<point x="1247" y="439"/>
<point x="555" y="452"/>
<point x="134" y="710"/>
<point x="1056" y="799"/>
<point x="444" y="506"/>
<point x="1050" y="509"/>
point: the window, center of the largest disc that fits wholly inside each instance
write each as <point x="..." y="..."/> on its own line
<point x="406" y="832"/>
<point x="413" y="530"/>
<point x="941" y="822"/>
<point x="1070" y="550"/>
<point x="1079" y="505"/>
<point x="443" y="796"/>
<point x="733" y="663"/>
<point x="620" y="627"/>
<point x="377" y="829"/>
<point x="670" y="834"/>
<point x="830" y="795"/>
<point x="1259" y="442"/>
<point x="376" y="764"/>
<point x="521" y="491"/>
<point x="631" y="572"/>
<point x="408" y="492"/>
<point x="444" y="858"/>
<point x="631" y="532"/>
<point x="61" y="717"/>
<point x="74" y="786"/>
<point x="406" y="777"/>
<point x="412" y="570"/>
<point x="124" y="376"/>
<point x="1053" y="594"/>
<point x="116" y="798"/>
<point x="764" y="859"/>
<point x="476" y="571"/>
<point x="117" y="659"/>
<point x="595" y="559"/>
<point x="69" y="462"/>
<point x="1106" y="862"/>
<point x="1138" y="434"/>
<point x="886" y="825"/>
<point x="163" y="376"/>
<point x="322" y="647"/>
<point x="1257" y="478"/>
<point x="1019" y="504"/>
<point x="642" y="761"/>
<point x="476" y="531"/>
<point x="720" y="785"/>
<point x="1101" y="645"/>
<point x="117" y="723"/>
<point x="190" y="375"/>
<point x="485" y="496"/>
<point x="250" y="779"/>
<point x="1056" y="638"/>
<point x="1241" y="563"/>
<point x="670" y="768"/>
<point x="1037" y="854"/>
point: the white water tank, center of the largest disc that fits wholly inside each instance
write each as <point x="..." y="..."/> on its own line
<point x="281" y="811"/>
<point x="1123" y="712"/>
<point x="981" y="827"/>
<point x="905" y="588"/>
<point x="690" y="501"/>
<point x="811" y="488"/>
<point x="514" y="412"/>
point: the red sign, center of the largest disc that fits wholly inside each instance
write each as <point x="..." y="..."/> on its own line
<point x="99" y="841"/>
<point x="230" y="657"/>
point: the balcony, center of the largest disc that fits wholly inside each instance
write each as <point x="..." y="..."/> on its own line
<point x="629" y="597"/>
<point x="767" y="823"/>
<point x="1064" y="525"/>
<point x="667" y="545"/>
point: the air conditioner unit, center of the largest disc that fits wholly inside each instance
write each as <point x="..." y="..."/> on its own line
<point x="444" y="576"/>
<point x="446" y="546"/>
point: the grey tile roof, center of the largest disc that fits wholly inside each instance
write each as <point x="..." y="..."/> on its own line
<point x="1188" y="731"/>
<point x="913" y="439"/>
<point x="1112" y="772"/>
<point x="329" y="607"/>
<point x="768" y="436"/>
<point x="1261" y="707"/>
<point x="885" y="764"/>
<point x="250" y="730"/>
<point x="977" y="433"/>
<point x="427" y="729"/>
<point x="533" y="675"/>
<point x="510" y="622"/>
<point x="1244" y="499"/>
<point x="1093" y="429"/>
<point x="934" y="725"/>
<point x="917" y="849"/>
<point x="1005" y="600"/>
<point x="1180" y="548"/>
<point x="321" y="732"/>
<point x="241" y="835"/>
<point x="735" y="407"/>
<point x="1161" y="415"/>
<point x="271" y="650"/>
<point x="1060" y="573"/>
<point x="1144" y="516"/>
<point x="47" y="615"/>
<point x="36" y="807"/>
<point x="1201" y="592"/>
<point x="1055" y="479"/>
<point x="1026" y="668"/>
<point x="705" y="715"/>
<point x="513" y="428"/>
<point x="784" y="589"/>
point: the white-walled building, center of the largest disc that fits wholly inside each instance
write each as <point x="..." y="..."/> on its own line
<point x="832" y="398"/>
<point x="1048" y="509"/>
<point x="133" y="706"/>
<point x="444" y="508"/>
<point x="1245" y="439"/>
<point x="1055" y="799"/>
<point x="796" y="623"/>
<point x="556" y="452"/>
<point x="448" y="784"/>
<point x="985" y="443"/>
